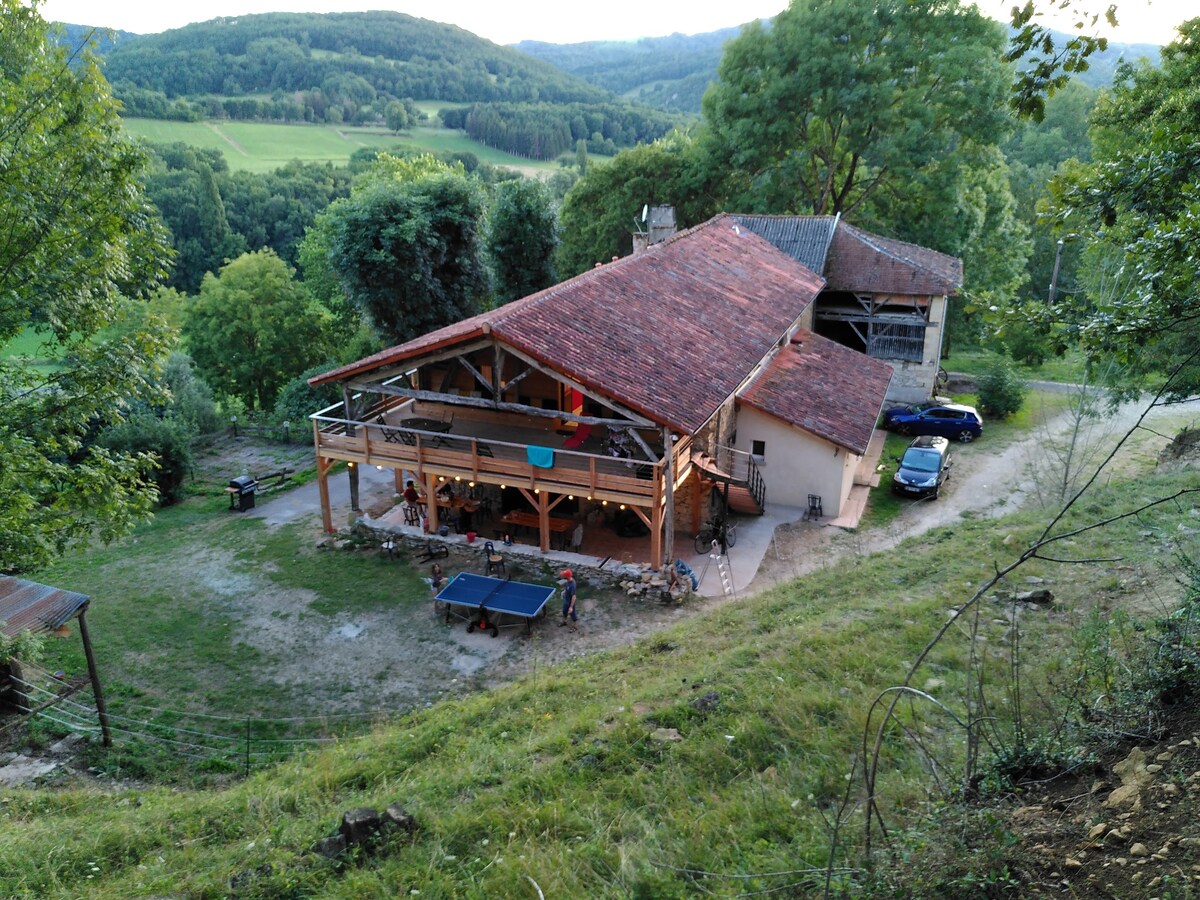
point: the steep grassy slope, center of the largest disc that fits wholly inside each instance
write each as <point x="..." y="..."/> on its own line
<point x="724" y="748"/>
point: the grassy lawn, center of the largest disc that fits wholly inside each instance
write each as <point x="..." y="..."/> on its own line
<point x="265" y="146"/>
<point x="39" y="348"/>
<point x="190" y="580"/>
<point x="726" y="744"/>
<point x="1068" y="368"/>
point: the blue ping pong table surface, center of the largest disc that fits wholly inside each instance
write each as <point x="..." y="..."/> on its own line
<point x="514" y="598"/>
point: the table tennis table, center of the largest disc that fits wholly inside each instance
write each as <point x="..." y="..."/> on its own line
<point x="485" y="602"/>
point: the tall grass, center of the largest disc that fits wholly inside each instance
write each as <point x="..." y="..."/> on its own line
<point x="564" y="777"/>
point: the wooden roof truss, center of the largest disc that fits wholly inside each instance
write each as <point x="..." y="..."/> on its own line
<point x="394" y="382"/>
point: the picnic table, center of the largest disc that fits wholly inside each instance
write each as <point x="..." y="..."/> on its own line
<point x="559" y="527"/>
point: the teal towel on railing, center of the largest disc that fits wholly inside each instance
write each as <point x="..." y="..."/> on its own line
<point x="542" y="457"/>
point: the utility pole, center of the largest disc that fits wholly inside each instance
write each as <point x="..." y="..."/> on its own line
<point x="1054" y="276"/>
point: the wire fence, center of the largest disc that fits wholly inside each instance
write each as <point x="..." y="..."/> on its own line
<point x="285" y="433"/>
<point x="224" y="742"/>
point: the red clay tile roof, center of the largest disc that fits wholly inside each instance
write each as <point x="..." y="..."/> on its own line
<point x="669" y="333"/>
<point x="869" y="264"/>
<point x="823" y="388"/>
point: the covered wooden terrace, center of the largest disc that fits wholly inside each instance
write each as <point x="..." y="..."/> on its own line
<point x="535" y="451"/>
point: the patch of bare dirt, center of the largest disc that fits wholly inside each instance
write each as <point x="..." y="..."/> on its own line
<point x="1129" y="826"/>
<point x="224" y="457"/>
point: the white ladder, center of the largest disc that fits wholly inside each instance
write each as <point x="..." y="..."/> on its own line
<point x="722" y="569"/>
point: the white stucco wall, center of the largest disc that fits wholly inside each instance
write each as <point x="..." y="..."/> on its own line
<point x="797" y="463"/>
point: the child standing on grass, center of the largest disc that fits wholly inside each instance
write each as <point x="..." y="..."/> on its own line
<point x="568" y="609"/>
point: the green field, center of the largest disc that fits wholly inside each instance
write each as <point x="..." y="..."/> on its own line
<point x="265" y="146"/>
<point x="37" y="349"/>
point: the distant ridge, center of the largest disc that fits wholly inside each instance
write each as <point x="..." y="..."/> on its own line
<point x="673" y="72"/>
<point x="394" y="53"/>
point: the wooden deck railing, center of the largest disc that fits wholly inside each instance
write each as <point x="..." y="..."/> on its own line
<point x="488" y="460"/>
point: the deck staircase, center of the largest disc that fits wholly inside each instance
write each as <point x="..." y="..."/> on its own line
<point x="736" y="471"/>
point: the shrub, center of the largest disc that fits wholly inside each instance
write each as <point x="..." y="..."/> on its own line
<point x="1001" y="392"/>
<point x="191" y="398"/>
<point x="167" y="439"/>
<point x="1027" y="343"/>
<point x="298" y="400"/>
<point x="25" y="645"/>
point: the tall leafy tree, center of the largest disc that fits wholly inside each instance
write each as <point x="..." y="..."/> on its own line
<point x="253" y="328"/>
<point x="1139" y="201"/>
<point x="184" y="187"/>
<point x="405" y="247"/>
<point x="841" y="99"/>
<point x="600" y="212"/>
<point x="77" y="232"/>
<point x="522" y="235"/>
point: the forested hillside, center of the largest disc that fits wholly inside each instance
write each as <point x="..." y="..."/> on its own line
<point x="337" y="67"/>
<point x="667" y="72"/>
<point x="673" y="72"/>
<point x="390" y="52"/>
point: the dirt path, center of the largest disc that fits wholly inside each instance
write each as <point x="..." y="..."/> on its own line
<point x="227" y="139"/>
<point x="985" y="482"/>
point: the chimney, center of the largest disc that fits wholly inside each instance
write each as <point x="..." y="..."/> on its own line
<point x="656" y="224"/>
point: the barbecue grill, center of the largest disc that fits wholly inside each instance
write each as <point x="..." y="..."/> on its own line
<point x="241" y="492"/>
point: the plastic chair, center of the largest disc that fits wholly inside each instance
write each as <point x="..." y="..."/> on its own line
<point x="494" y="562"/>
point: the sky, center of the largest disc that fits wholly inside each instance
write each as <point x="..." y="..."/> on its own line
<point x="556" y="21"/>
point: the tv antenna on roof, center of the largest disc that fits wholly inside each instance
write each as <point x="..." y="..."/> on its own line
<point x="637" y="225"/>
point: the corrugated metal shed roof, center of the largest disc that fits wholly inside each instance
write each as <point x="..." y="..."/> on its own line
<point x="851" y="259"/>
<point x="36" y="607"/>
<point x="805" y="239"/>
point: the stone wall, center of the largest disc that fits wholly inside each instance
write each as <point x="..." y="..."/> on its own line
<point x="523" y="561"/>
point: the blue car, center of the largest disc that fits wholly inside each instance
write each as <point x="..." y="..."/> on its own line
<point x="924" y="467"/>
<point x="948" y="420"/>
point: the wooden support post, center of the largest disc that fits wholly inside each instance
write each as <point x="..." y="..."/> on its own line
<point x="351" y="431"/>
<point x="399" y="476"/>
<point x="101" y="710"/>
<point x="656" y="536"/>
<point x="352" y="471"/>
<point x="667" y="489"/>
<point x="431" y="486"/>
<point x="323" y="467"/>
<point x="544" y="520"/>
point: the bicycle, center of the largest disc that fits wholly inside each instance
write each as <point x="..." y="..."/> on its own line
<point x="712" y="531"/>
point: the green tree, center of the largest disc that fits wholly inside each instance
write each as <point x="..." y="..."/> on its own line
<point x="396" y="116"/>
<point x="599" y="213"/>
<point x="253" y="328"/>
<point x="522" y="235"/>
<point x="77" y="234"/>
<point x="841" y="99"/>
<point x="185" y="189"/>
<point x="1001" y="392"/>
<point x="1138" y="202"/>
<point x="405" y="246"/>
<point x="168" y="441"/>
